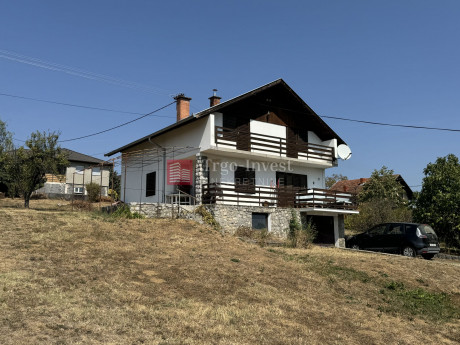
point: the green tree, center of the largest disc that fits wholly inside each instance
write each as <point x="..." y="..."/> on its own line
<point x="333" y="179"/>
<point x="438" y="203"/>
<point x="383" y="185"/>
<point x="27" y="167"/>
<point x="6" y="146"/>
<point x="381" y="200"/>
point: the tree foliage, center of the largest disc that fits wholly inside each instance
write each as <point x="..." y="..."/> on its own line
<point x="381" y="200"/>
<point x="383" y="185"/>
<point x="27" y="167"/>
<point x="333" y="179"/>
<point x="438" y="203"/>
<point x="6" y="145"/>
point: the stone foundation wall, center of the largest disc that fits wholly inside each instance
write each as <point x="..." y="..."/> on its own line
<point x="231" y="217"/>
<point x="159" y="210"/>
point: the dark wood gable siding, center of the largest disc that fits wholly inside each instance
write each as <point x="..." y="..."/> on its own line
<point x="271" y="108"/>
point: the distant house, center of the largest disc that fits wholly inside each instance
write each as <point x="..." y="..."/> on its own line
<point x="355" y="186"/>
<point x="82" y="169"/>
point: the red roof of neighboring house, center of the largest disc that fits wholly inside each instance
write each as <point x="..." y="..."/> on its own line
<point x="355" y="186"/>
<point x="351" y="186"/>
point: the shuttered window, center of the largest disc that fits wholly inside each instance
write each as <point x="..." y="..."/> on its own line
<point x="245" y="180"/>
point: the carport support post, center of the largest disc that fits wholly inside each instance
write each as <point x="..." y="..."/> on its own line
<point x="339" y="231"/>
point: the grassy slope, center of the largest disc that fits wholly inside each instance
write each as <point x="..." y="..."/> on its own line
<point x="70" y="278"/>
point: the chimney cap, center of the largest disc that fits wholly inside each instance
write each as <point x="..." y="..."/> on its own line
<point x="181" y="96"/>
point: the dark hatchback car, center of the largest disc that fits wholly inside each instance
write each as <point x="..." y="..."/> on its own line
<point x="408" y="239"/>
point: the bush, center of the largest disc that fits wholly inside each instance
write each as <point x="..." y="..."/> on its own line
<point x="113" y="194"/>
<point x="94" y="191"/>
<point x="125" y="212"/>
<point x="376" y="212"/>
<point x="207" y="216"/>
<point x="300" y="236"/>
<point x="261" y="236"/>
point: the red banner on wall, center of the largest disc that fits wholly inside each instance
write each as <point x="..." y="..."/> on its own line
<point x="180" y="172"/>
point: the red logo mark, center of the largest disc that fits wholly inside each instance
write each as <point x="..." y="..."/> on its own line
<point x="180" y="172"/>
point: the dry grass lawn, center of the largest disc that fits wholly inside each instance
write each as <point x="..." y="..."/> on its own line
<point x="82" y="278"/>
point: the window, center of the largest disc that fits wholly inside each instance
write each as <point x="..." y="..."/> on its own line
<point x="79" y="169"/>
<point x="151" y="183"/>
<point x="78" y="190"/>
<point x="245" y="180"/>
<point x="260" y="221"/>
<point x="378" y="230"/>
<point x="395" y="229"/>
<point x="294" y="180"/>
<point x="96" y="171"/>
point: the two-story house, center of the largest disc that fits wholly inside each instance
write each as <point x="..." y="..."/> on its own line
<point x="250" y="160"/>
<point x="81" y="170"/>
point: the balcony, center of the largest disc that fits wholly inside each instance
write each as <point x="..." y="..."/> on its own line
<point x="250" y="195"/>
<point x="267" y="144"/>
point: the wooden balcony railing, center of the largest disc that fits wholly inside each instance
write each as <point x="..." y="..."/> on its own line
<point x="226" y="193"/>
<point x="254" y="142"/>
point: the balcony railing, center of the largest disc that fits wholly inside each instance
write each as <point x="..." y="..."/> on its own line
<point x="262" y="143"/>
<point x="226" y="193"/>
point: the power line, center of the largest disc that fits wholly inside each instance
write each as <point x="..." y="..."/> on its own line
<point x="76" y="105"/>
<point x="365" y="122"/>
<point x="77" y="72"/>
<point x="392" y="124"/>
<point x="121" y="125"/>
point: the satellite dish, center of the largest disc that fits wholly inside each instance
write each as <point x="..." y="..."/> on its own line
<point x="344" y="152"/>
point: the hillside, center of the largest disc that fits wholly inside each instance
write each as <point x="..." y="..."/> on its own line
<point x="82" y="278"/>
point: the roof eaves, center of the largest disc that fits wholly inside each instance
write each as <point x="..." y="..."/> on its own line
<point x="153" y="135"/>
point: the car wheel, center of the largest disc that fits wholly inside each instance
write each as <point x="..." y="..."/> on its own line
<point x="355" y="247"/>
<point x="428" y="256"/>
<point x="409" y="252"/>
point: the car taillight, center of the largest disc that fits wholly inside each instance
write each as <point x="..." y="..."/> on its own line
<point x="419" y="234"/>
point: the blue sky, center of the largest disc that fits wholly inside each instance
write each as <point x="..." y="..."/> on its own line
<point x="383" y="61"/>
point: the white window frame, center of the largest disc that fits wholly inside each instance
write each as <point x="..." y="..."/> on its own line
<point x="79" y="169"/>
<point x="78" y="190"/>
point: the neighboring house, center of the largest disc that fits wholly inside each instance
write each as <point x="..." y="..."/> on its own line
<point x="355" y="186"/>
<point x="250" y="160"/>
<point x="82" y="169"/>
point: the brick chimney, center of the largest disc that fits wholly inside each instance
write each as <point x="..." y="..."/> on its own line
<point x="182" y="106"/>
<point x="214" y="99"/>
<point x="362" y="180"/>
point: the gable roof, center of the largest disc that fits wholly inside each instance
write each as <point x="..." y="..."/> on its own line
<point x="276" y="86"/>
<point x="73" y="156"/>
<point x="355" y="186"/>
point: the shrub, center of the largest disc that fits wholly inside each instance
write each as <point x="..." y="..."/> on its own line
<point x="300" y="236"/>
<point x="125" y="212"/>
<point x="94" y="191"/>
<point x="261" y="236"/>
<point x="113" y="194"/>
<point x="207" y="216"/>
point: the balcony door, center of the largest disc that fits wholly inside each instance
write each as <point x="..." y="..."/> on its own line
<point x="289" y="184"/>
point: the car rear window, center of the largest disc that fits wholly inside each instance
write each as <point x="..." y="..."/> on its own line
<point x="426" y="229"/>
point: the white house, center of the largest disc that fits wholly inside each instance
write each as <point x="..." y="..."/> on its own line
<point x="81" y="170"/>
<point x="250" y="160"/>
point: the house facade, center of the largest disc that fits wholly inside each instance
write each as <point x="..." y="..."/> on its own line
<point x="82" y="169"/>
<point x="251" y="160"/>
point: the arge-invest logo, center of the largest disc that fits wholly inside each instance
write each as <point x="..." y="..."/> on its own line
<point x="228" y="167"/>
<point x="180" y="172"/>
